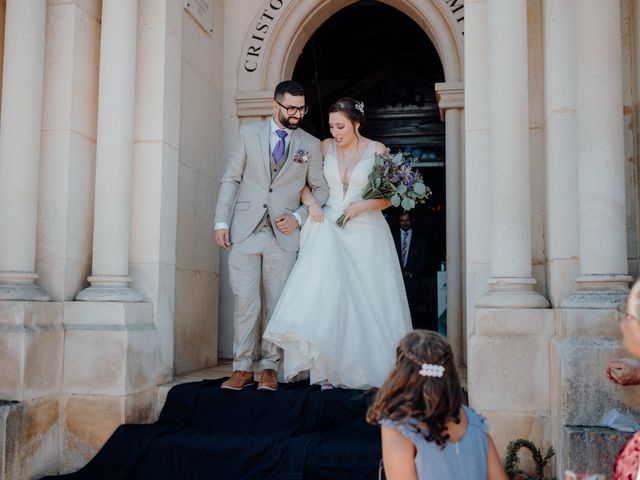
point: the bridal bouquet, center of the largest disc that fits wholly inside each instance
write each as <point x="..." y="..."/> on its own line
<point x="396" y="178"/>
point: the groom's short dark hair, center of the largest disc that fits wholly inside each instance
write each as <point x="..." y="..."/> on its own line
<point x="288" y="86"/>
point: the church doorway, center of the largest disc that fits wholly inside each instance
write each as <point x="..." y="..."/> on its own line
<point x="375" y="53"/>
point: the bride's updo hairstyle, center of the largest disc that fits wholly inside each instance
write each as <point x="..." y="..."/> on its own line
<point x="414" y="397"/>
<point x="351" y="108"/>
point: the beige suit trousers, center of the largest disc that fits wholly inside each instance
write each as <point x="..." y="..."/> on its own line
<point x="255" y="260"/>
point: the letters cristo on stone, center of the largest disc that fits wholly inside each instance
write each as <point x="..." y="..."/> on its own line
<point x="260" y="32"/>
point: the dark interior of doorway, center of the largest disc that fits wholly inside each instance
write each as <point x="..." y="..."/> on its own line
<point x="375" y="53"/>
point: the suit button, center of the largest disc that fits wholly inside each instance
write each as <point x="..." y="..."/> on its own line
<point x="271" y="189"/>
<point x="264" y="206"/>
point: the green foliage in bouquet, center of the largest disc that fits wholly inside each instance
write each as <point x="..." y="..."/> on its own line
<point x="511" y="461"/>
<point x="395" y="177"/>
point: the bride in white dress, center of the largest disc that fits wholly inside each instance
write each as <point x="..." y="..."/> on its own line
<point x="344" y="307"/>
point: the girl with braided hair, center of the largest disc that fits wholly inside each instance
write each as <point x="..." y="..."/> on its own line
<point x="426" y="431"/>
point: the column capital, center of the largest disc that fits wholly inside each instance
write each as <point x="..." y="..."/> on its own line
<point x="449" y="95"/>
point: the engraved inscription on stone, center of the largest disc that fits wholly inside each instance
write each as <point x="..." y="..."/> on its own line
<point x="268" y="17"/>
<point x="456" y="7"/>
<point x="202" y="13"/>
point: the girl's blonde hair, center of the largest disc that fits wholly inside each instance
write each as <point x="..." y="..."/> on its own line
<point x="430" y="401"/>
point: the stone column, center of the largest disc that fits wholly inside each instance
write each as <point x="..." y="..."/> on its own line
<point x="562" y="217"/>
<point x="20" y="125"/>
<point x="600" y="146"/>
<point x="477" y="164"/>
<point x="112" y="210"/>
<point x="450" y="98"/>
<point x="511" y="284"/>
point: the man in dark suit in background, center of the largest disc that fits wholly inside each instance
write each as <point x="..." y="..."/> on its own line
<point x="412" y="253"/>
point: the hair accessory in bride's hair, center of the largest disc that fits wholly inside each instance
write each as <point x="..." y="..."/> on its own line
<point x="430" y="370"/>
<point x="360" y="107"/>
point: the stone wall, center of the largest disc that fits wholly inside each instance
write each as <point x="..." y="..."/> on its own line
<point x="200" y="161"/>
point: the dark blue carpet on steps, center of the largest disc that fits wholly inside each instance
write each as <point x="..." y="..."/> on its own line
<point x="203" y="432"/>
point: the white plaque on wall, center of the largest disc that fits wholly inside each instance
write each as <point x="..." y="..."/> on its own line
<point x="202" y="13"/>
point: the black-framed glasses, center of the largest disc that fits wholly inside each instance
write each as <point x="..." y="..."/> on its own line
<point x="293" y="110"/>
<point x="623" y="314"/>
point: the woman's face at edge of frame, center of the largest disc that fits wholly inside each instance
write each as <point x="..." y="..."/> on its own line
<point x="342" y="129"/>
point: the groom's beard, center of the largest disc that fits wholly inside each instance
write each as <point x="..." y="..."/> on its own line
<point x="287" y="124"/>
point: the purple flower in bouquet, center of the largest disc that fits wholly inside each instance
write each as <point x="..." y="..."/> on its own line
<point x="394" y="177"/>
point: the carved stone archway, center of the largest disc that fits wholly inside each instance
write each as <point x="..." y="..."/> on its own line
<point x="282" y="28"/>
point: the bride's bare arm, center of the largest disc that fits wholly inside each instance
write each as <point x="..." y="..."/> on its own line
<point x="306" y="197"/>
<point x="315" y="211"/>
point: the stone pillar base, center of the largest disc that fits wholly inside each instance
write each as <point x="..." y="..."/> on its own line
<point x="110" y="348"/>
<point x="512" y="293"/>
<point x="508" y="371"/>
<point x="109" y="288"/>
<point x="89" y="421"/>
<point x="30" y="435"/>
<point x="582" y="396"/>
<point x="110" y="373"/>
<point x="599" y="291"/>
<point x="507" y="427"/>
<point x="31" y="348"/>
<point x="21" y="286"/>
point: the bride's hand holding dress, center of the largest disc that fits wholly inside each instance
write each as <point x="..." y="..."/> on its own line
<point x="359" y="207"/>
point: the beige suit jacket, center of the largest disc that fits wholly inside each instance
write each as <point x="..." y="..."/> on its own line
<point x="247" y="189"/>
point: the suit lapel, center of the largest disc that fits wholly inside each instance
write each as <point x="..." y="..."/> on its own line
<point x="264" y="134"/>
<point x="293" y="148"/>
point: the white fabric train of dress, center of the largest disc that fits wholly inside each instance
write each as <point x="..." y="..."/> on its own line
<point x="344" y="307"/>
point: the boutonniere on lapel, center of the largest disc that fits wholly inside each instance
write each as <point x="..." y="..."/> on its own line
<point x="301" y="156"/>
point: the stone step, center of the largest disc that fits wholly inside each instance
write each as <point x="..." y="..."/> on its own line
<point x="224" y="369"/>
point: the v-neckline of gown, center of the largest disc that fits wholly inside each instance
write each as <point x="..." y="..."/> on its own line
<point x="348" y="184"/>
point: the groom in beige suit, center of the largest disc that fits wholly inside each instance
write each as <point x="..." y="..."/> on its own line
<point x="258" y="219"/>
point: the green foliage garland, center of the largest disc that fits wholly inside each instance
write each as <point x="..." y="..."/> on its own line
<point x="511" y="461"/>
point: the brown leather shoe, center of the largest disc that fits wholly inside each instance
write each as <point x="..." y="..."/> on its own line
<point x="238" y="380"/>
<point x="268" y="380"/>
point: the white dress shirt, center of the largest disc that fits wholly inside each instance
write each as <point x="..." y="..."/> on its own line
<point x="273" y="140"/>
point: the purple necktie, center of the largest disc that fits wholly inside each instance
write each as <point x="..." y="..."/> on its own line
<point x="278" y="151"/>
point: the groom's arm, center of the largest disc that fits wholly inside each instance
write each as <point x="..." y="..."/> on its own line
<point x="316" y="181"/>
<point x="230" y="182"/>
